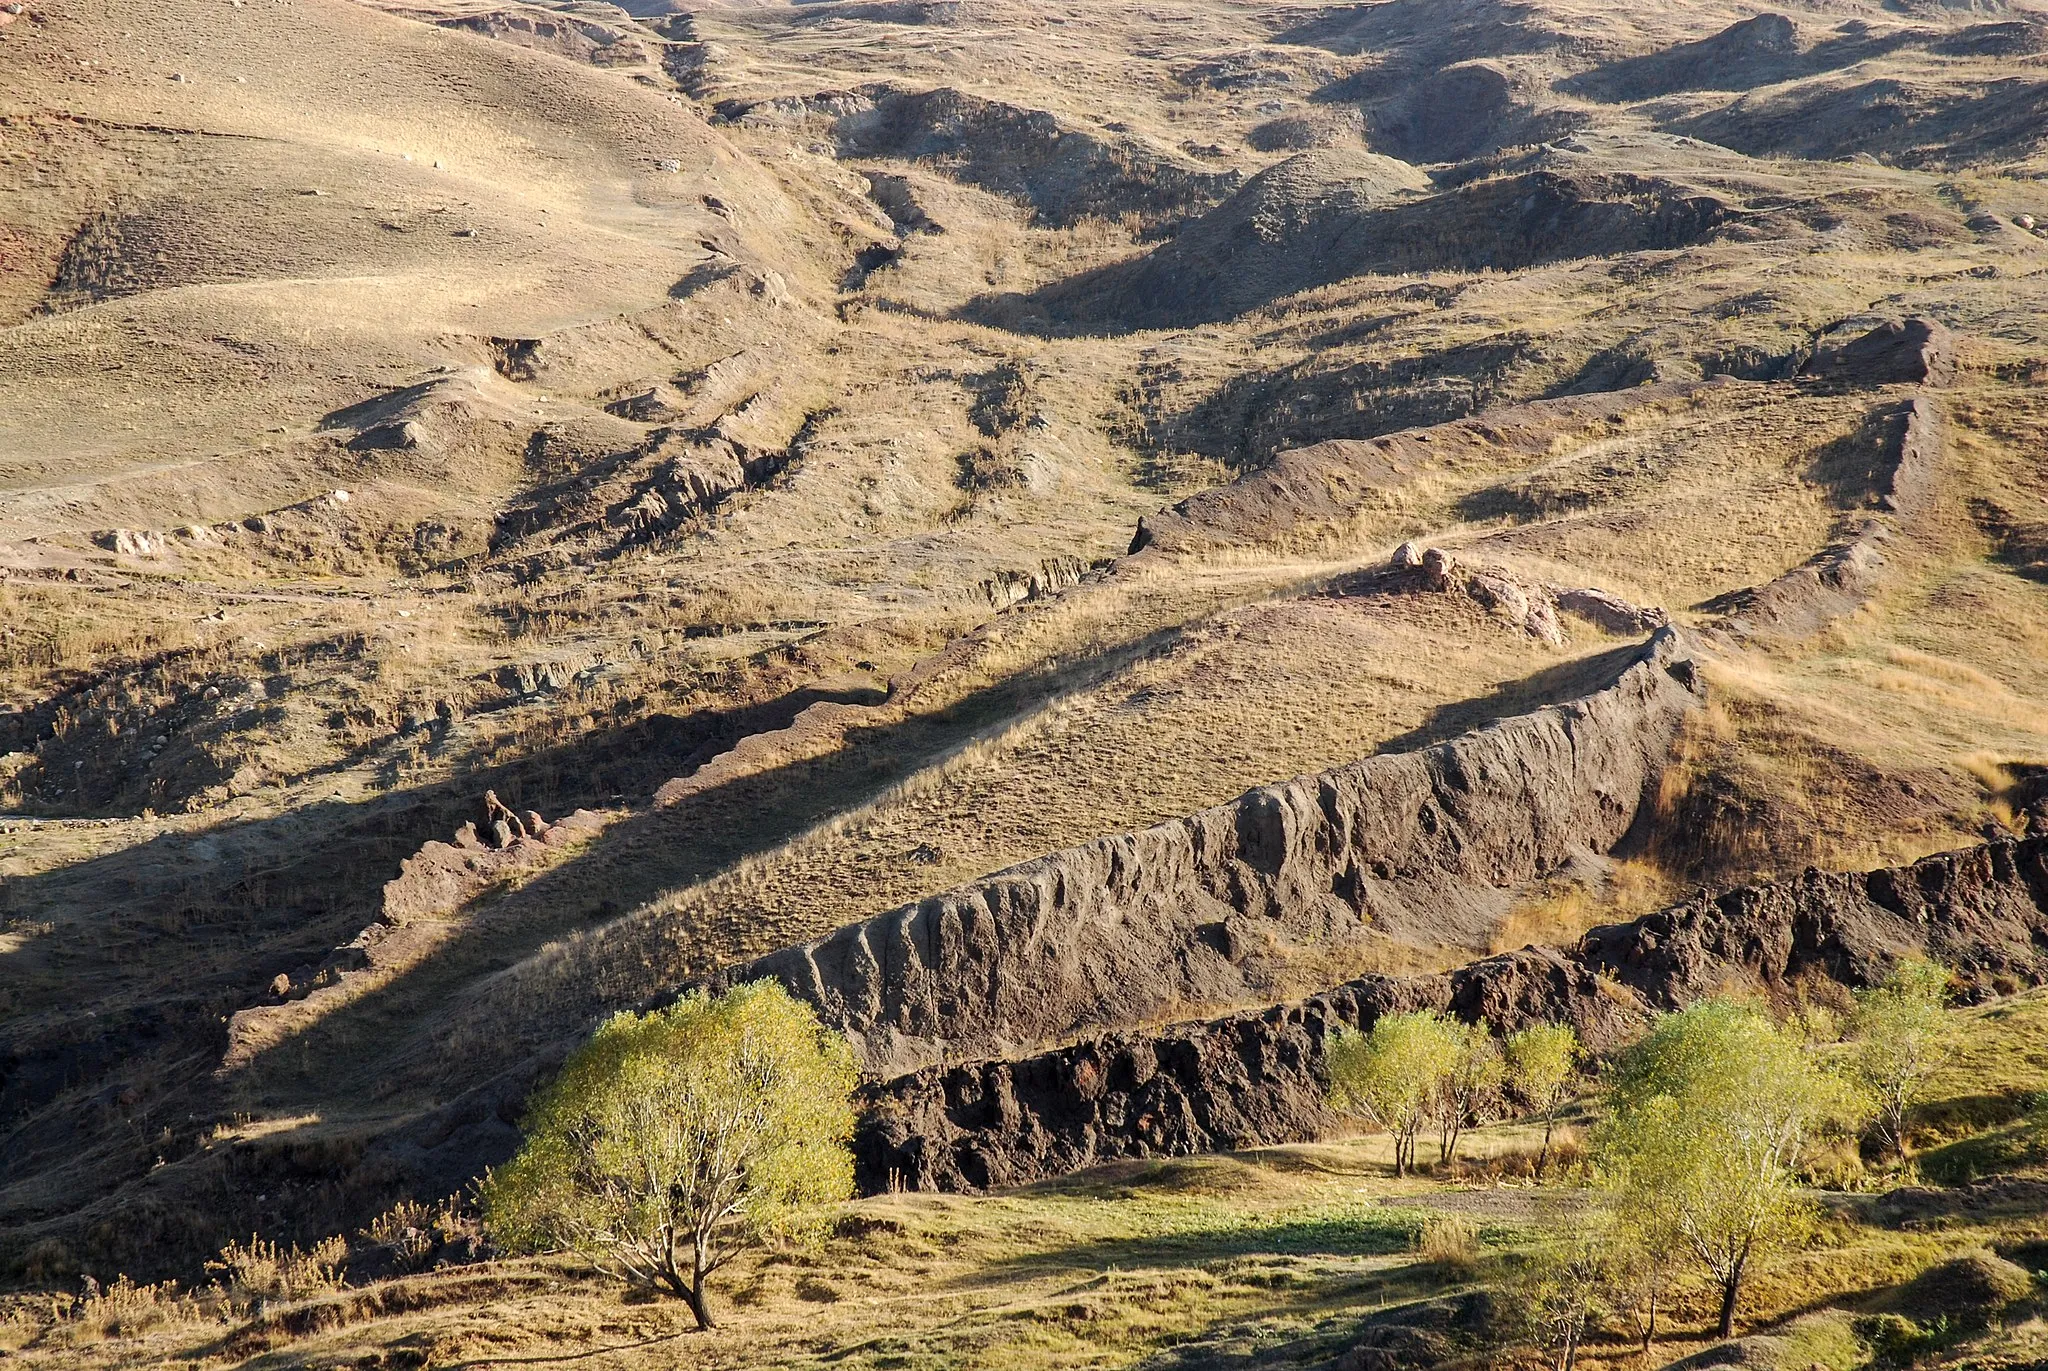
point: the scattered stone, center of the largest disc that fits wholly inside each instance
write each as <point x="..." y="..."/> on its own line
<point x="1436" y="569"/>
<point x="124" y="542"/>
<point x="503" y="824"/>
<point x="1407" y="557"/>
<point x="2025" y="221"/>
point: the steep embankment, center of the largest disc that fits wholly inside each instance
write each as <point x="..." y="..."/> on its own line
<point x="1257" y="1078"/>
<point x="1206" y="909"/>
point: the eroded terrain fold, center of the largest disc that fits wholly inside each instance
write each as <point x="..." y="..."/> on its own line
<point x="1258" y="1077"/>
<point x="1428" y="844"/>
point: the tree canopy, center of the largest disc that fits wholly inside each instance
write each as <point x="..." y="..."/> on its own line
<point x="1901" y="1039"/>
<point x="1542" y="1065"/>
<point x="1394" y="1074"/>
<point x="673" y="1140"/>
<point x="1708" y="1114"/>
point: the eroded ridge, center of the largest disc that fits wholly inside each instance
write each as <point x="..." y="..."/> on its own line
<point x="1206" y="909"/>
<point x="1258" y="1077"/>
<point x="1847" y="573"/>
<point x="1310" y="493"/>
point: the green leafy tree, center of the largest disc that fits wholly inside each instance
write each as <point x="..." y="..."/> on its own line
<point x="1543" y="1066"/>
<point x="1637" y="1251"/>
<point x="1563" y="1293"/>
<point x="1471" y="1092"/>
<point x="672" y="1141"/>
<point x="1901" y="1039"/>
<point x="1708" y="1115"/>
<point x="1394" y="1074"/>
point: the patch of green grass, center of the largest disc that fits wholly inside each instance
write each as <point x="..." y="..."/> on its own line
<point x="2017" y="1146"/>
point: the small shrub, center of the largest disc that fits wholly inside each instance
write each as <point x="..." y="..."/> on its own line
<point x="251" y="1272"/>
<point x="1448" y="1240"/>
<point x="49" y="1262"/>
<point x="124" y="1309"/>
<point x="1836" y="1164"/>
<point x="1894" y="1339"/>
<point x="408" y="1230"/>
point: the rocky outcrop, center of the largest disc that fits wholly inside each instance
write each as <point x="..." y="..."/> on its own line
<point x="1206" y="909"/>
<point x="1258" y="1077"/>
<point x="1053" y="575"/>
<point x="432" y="885"/>
<point x="1916" y="351"/>
<point x="1530" y="605"/>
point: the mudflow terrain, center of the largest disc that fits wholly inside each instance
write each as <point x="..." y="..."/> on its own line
<point x="1091" y="540"/>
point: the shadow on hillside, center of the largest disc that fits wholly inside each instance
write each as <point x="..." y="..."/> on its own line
<point x="119" y="1007"/>
<point x="444" y="1036"/>
<point x="1374" y="1233"/>
<point x="1550" y="686"/>
<point x="1212" y="270"/>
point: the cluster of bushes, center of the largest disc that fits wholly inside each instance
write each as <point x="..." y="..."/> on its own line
<point x="1714" y="1123"/>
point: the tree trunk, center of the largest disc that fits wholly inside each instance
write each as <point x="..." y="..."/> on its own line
<point x="1731" y="1288"/>
<point x="699" y="1303"/>
<point x="1543" y="1157"/>
<point x="1650" y="1328"/>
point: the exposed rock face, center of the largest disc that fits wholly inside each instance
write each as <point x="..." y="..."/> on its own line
<point x="1917" y="350"/>
<point x="125" y="542"/>
<point x="431" y="885"/>
<point x="1121" y="929"/>
<point x="1258" y="1077"/>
